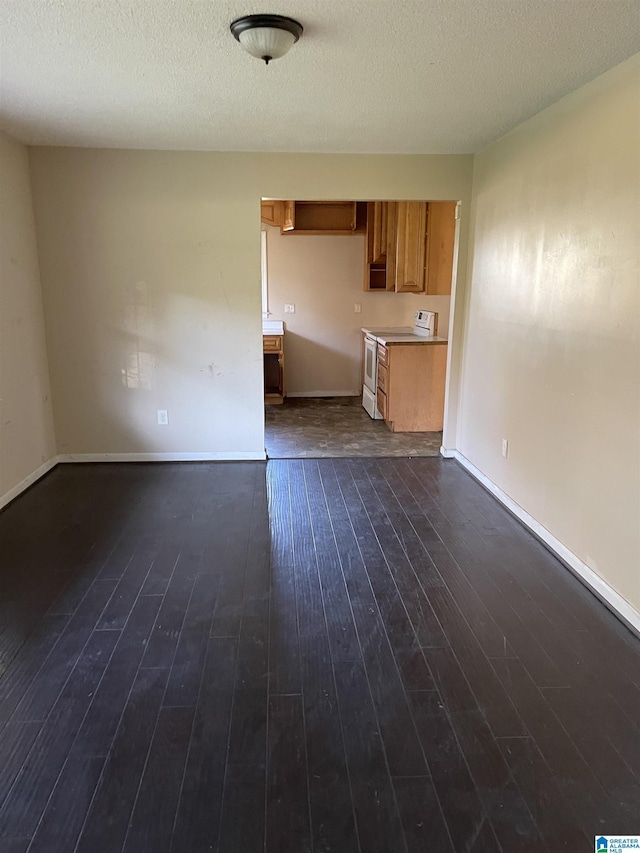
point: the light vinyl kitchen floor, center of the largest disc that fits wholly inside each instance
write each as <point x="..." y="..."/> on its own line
<point x="321" y="427"/>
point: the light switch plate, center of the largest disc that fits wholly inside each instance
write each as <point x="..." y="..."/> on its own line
<point x="289" y="309"/>
<point x="163" y="417"/>
<point x="357" y="307"/>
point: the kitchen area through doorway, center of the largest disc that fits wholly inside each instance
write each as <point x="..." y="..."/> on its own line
<point x="356" y="301"/>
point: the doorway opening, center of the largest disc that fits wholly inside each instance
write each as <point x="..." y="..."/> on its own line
<point x="356" y="302"/>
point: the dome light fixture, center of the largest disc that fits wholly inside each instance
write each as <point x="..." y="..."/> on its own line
<point x="266" y="37"/>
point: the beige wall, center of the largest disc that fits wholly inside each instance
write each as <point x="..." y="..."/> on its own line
<point x="551" y="355"/>
<point x="151" y="279"/>
<point x="322" y="276"/>
<point x="26" y="425"/>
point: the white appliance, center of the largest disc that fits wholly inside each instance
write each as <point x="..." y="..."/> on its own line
<point x="424" y="326"/>
<point x="370" y="377"/>
<point x="370" y="404"/>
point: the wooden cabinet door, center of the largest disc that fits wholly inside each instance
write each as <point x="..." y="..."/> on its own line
<point x="376" y="264"/>
<point x="379" y="237"/>
<point x="289" y="216"/>
<point x="271" y="211"/>
<point x="441" y="232"/>
<point x="391" y="227"/>
<point x="369" y="243"/>
<point x="376" y="232"/>
<point x="411" y="232"/>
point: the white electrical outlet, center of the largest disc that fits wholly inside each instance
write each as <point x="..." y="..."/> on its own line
<point x="289" y="309"/>
<point x="357" y="307"/>
<point x="505" y="447"/>
<point x="163" y="417"/>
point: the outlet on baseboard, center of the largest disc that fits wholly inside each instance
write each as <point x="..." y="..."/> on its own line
<point x="163" y="417"/>
<point x="505" y="447"/>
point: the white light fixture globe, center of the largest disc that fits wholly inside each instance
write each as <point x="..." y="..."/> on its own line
<point x="266" y="37"/>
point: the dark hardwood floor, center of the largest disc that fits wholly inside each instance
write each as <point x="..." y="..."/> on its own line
<point x="355" y="656"/>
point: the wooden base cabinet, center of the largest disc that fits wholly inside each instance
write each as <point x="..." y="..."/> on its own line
<point x="411" y="382"/>
<point x="273" y="355"/>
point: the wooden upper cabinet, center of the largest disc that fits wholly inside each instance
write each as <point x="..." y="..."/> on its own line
<point x="441" y="230"/>
<point x="319" y="217"/>
<point x="411" y="231"/>
<point x="409" y="246"/>
<point x="271" y="211"/>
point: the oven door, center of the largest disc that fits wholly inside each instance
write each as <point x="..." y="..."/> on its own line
<point x="371" y="364"/>
<point x="370" y="403"/>
<point x="370" y="385"/>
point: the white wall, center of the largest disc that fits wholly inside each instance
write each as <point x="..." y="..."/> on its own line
<point x="27" y="439"/>
<point x="551" y="354"/>
<point x="323" y="277"/>
<point x="151" y="280"/>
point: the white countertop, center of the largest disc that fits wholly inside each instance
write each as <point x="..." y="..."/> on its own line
<point x="272" y="327"/>
<point x="388" y="330"/>
<point x="401" y="335"/>
<point x="387" y="340"/>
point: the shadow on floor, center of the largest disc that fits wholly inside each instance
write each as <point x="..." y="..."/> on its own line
<point x="317" y="427"/>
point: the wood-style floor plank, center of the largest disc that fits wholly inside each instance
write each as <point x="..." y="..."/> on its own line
<point x="29" y="795"/>
<point x="544" y="798"/>
<point x="421" y="815"/>
<point x="578" y="782"/>
<point x="242" y="823"/>
<point x="62" y="820"/>
<point x="332" y="656"/>
<point x="381" y="665"/>
<point x="465" y="814"/>
<point x="198" y="817"/>
<point x="284" y="654"/>
<point x="116" y="792"/>
<point x="341" y="630"/>
<point x="43" y="691"/>
<point x="377" y="816"/>
<point x="288" y="828"/>
<point x="331" y="806"/>
<point x="186" y="668"/>
<point x="152" y="819"/>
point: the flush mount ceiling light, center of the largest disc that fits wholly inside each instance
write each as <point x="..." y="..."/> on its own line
<point x="266" y="36"/>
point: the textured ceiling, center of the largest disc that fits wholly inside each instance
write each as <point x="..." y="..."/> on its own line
<point x="403" y="76"/>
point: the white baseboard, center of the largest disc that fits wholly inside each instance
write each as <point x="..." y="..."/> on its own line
<point x="324" y="393"/>
<point x="600" y="587"/>
<point x="448" y="454"/>
<point x="28" y="481"/>
<point x="221" y="456"/>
